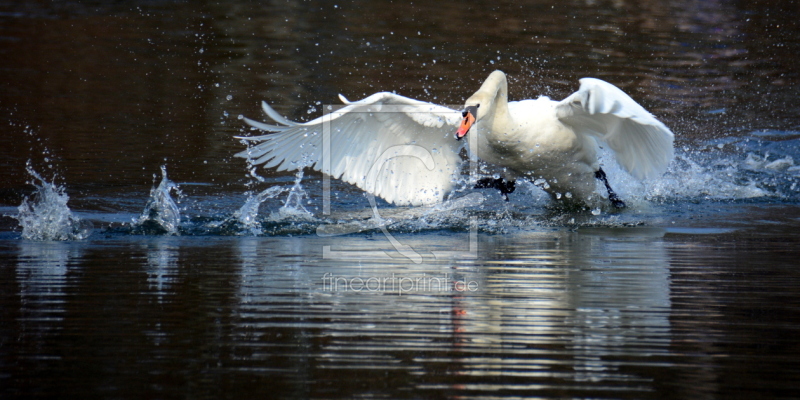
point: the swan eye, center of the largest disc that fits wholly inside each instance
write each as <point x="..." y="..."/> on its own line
<point x="471" y="110"/>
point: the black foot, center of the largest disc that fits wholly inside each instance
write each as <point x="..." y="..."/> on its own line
<point x="616" y="202"/>
<point x="612" y="196"/>
<point x="505" y="187"/>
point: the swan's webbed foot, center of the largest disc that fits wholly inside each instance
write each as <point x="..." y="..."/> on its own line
<point x="505" y="187"/>
<point x="615" y="201"/>
<point x="612" y="196"/>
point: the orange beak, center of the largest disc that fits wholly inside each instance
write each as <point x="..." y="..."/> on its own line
<point x="467" y="122"/>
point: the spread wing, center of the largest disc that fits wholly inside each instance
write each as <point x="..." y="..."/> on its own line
<point x="400" y="149"/>
<point x="641" y="143"/>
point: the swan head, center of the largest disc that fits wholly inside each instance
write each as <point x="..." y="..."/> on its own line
<point x="470" y="115"/>
<point x="493" y="94"/>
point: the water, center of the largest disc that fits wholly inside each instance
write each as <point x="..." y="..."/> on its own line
<point x="223" y="281"/>
<point x="161" y="214"/>
<point x="46" y="216"/>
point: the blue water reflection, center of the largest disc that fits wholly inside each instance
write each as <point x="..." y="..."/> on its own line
<point x="565" y="307"/>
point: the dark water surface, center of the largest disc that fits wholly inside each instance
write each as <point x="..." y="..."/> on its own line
<point x="691" y="292"/>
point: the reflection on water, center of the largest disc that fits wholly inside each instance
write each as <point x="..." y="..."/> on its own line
<point x="162" y="265"/>
<point x="611" y="311"/>
<point x="41" y="274"/>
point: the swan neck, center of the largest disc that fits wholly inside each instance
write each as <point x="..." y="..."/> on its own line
<point x="500" y="102"/>
<point x="494" y="94"/>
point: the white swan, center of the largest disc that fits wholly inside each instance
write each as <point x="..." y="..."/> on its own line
<point x="403" y="150"/>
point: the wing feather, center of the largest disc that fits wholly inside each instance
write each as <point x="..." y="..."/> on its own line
<point x="397" y="148"/>
<point x="642" y="144"/>
<point x="275" y="115"/>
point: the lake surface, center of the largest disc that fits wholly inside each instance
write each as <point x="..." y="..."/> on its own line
<point x="177" y="272"/>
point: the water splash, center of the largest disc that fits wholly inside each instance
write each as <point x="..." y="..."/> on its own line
<point x="161" y="214"/>
<point x="451" y="213"/>
<point x="247" y="215"/>
<point x="46" y="216"/>
<point x="293" y="208"/>
<point x="715" y="174"/>
<point x="694" y="178"/>
<point x="291" y="218"/>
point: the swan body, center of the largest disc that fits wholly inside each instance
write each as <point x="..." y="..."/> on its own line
<point x="540" y="148"/>
<point x="403" y="150"/>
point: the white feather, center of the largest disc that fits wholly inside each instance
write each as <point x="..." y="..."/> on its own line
<point x="397" y="148"/>
<point x="642" y="144"/>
